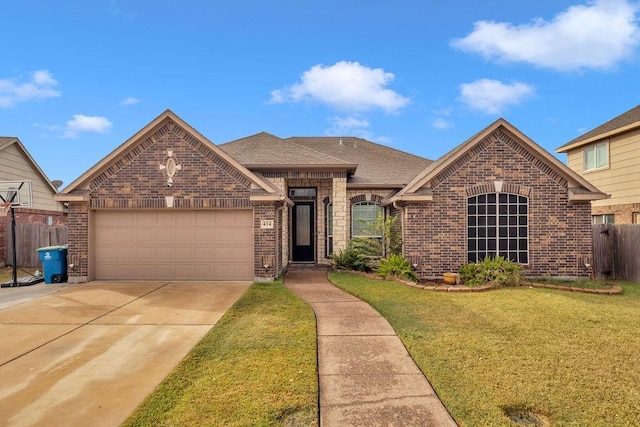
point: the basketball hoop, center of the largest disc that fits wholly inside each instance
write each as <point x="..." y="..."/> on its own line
<point x="4" y="209"/>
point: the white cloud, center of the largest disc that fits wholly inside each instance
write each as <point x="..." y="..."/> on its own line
<point x="346" y="86"/>
<point x="45" y="126"/>
<point x="82" y="123"/>
<point x="492" y="96"/>
<point x="441" y="123"/>
<point x="130" y="100"/>
<point x="40" y="86"/>
<point x="349" y="126"/>
<point x="345" y="124"/>
<point x="597" y="35"/>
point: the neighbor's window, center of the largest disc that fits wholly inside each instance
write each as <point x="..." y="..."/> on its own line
<point x="636" y="217"/>
<point x="602" y="219"/>
<point x="596" y="156"/>
<point x="498" y="224"/>
<point x="329" y="216"/>
<point x="361" y="214"/>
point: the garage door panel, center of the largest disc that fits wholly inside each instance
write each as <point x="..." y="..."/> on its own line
<point x="184" y="254"/>
<point x="204" y="236"/>
<point x="122" y="253"/>
<point x="243" y="235"/>
<point x="203" y="254"/>
<point x="173" y="245"/>
<point x="145" y="234"/>
<point x="164" y="219"/>
<point x="183" y="234"/>
<point x="164" y="270"/>
<point x="242" y="255"/>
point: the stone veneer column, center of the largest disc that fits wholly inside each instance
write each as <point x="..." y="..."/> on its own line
<point x="340" y="226"/>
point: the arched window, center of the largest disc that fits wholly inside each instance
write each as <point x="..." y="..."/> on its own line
<point x="362" y="214"/>
<point x="498" y="224"/>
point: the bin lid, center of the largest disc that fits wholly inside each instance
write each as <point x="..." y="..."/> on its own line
<point x="52" y="248"/>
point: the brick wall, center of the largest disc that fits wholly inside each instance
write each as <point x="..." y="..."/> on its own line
<point x="265" y="246"/>
<point x="78" y="236"/>
<point x="559" y="232"/>
<point x="203" y="181"/>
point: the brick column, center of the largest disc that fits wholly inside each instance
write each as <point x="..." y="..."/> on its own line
<point x="340" y="206"/>
<point x="78" y="241"/>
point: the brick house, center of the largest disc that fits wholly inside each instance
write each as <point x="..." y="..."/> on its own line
<point x="609" y="157"/>
<point x="37" y="193"/>
<point x="168" y="204"/>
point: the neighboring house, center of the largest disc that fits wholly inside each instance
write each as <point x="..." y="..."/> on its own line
<point x="609" y="157"/>
<point x="168" y="204"/>
<point x="17" y="166"/>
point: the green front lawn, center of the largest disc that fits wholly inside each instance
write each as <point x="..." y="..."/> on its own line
<point x="560" y="358"/>
<point x="256" y="367"/>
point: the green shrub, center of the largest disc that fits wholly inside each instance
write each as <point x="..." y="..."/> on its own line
<point x="359" y="255"/>
<point x="496" y="271"/>
<point x="396" y="266"/>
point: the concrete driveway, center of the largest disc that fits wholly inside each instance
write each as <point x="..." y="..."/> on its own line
<point x="89" y="354"/>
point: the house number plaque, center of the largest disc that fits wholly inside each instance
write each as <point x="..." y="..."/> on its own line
<point x="266" y="223"/>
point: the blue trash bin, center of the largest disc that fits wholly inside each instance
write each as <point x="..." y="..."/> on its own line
<point x="54" y="263"/>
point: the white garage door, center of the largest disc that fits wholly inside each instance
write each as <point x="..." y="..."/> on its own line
<point x="173" y="245"/>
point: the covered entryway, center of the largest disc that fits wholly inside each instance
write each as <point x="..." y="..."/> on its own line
<point x="173" y="245"/>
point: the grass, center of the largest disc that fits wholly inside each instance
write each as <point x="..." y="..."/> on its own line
<point x="566" y="358"/>
<point x="256" y="367"/>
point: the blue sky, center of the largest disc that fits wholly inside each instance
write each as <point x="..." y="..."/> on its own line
<point x="78" y="78"/>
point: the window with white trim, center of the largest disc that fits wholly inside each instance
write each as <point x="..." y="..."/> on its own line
<point x="596" y="156"/>
<point x="602" y="219"/>
<point x="361" y="214"/>
<point x="498" y="224"/>
<point x="636" y="217"/>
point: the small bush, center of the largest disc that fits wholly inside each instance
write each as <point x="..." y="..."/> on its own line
<point x="359" y="255"/>
<point x="396" y="266"/>
<point x="496" y="271"/>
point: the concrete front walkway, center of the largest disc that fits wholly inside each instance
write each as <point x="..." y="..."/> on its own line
<point x="89" y="354"/>
<point x="367" y="378"/>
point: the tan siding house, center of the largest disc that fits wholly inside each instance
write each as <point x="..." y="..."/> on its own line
<point x="17" y="165"/>
<point x="609" y="157"/>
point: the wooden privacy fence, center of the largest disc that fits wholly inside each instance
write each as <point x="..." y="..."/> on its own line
<point x="30" y="237"/>
<point x="616" y="251"/>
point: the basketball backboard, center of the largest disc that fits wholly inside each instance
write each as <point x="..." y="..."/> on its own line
<point x="18" y="193"/>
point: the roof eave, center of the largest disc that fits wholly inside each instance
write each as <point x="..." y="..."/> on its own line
<point x="350" y="168"/>
<point x="623" y="129"/>
<point x="408" y="198"/>
<point x="373" y="186"/>
<point x="581" y="196"/>
<point x="277" y="198"/>
<point x="62" y="197"/>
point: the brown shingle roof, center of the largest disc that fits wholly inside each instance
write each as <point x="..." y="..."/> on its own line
<point x="377" y="164"/>
<point x="628" y="118"/>
<point x="264" y="151"/>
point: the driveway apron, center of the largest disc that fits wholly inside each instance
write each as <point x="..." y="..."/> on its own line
<point x="89" y="354"/>
<point x="366" y="375"/>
